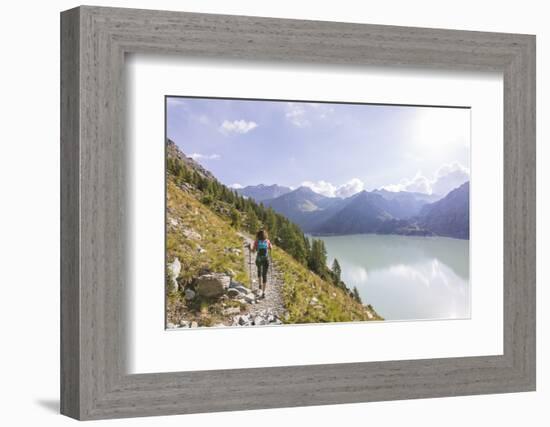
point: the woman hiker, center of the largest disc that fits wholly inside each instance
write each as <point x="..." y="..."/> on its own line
<point x="262" y="247"/>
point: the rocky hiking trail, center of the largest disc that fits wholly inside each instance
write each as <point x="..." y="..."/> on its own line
<point x="239" y="304"/>
<point x="262" y="311"/>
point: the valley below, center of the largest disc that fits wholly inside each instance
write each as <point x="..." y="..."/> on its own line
<point x="407" y="253"/>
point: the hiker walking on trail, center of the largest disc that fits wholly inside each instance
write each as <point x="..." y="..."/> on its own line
<point x="262" y="247"/>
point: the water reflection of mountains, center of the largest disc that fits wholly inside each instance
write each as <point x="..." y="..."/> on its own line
<point x="382" y="251"/>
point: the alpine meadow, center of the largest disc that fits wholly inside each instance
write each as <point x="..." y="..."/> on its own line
<point x="285" y="212"/>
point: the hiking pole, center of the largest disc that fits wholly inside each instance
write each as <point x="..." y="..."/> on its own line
<point x="270" y="268"/>
<point x="250" y="268"/>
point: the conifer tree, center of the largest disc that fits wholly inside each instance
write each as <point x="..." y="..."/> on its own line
<point x="337" y="271"/>
<point x="235" y="218"/>
<point x="318" y="257"/>
<point x="356" y="295"/>
<point x="248" y="214"/>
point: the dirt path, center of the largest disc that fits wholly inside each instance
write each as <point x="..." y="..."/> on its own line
<point x="272" y="304"/>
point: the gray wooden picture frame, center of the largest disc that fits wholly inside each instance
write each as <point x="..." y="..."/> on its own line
<point x="94" y="41"/>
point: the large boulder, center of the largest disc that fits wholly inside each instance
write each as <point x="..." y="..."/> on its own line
<point x="212" y="285"/>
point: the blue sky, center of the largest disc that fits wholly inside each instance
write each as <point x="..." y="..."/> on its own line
<point x="336" y="149"/>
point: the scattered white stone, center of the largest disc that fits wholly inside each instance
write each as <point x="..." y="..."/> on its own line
<point x="233" y="293"/>
<point x="200" y="249"/>
<point x="174" y="268"/>
<point x="194" y="325"/>
<point x="189" y="294"/>
<point x="231" y="310"/>
<point x="191" y="234"/>
<point x="259" y="320"/>
<point x="184" y="324"/>
<point x="250" y="298"/>
<point x="170" y="325"/>
<point x="243" y="320"/>
<point x="239" y="287"/>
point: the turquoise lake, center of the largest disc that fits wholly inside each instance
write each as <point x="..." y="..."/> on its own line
<point x="406" y="277"/>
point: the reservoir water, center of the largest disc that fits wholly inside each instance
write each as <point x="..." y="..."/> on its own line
<point x="406" y="277"/>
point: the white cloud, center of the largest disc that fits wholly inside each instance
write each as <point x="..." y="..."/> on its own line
<point x="236" y="186"/>
<point x="446" y="178"/>
<point x="327" y="189"/>
<point x="321" y="187"/>
<point x="237" y="126"/>
<point x="353" y="186"/>
<point x="322" y="111"/>
<point x="296" y="114"/>
<point x="301" y="114"/>
<point x="418" y="184"/>
<point x="199" y="156"/>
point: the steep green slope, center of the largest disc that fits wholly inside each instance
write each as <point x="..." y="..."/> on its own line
<point x="203" y="222"/>
<point x="202" y="242"/>
<point x="310" y="299"/>
<point x="199" y="238"/>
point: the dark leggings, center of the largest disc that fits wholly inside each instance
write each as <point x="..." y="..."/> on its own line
<point x="262" y="263"/>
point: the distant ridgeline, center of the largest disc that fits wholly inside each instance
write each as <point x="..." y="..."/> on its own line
<point x="378" y="211"/>
<point x="204" y="218"/>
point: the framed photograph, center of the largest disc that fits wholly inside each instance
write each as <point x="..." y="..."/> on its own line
<point x="278" y="213"/>
<point x="384" y="243"/>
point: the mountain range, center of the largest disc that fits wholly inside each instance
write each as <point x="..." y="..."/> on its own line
<point x="449" y="216"/>
<point x="378" y="211"/>
<point x="263" y="192"/>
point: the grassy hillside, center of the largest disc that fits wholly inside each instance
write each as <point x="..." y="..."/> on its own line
<point x="203" y="222"/>
<point x="202" y="242"/>
<point x="199" y="238"/>
<point x="310" y="299"/>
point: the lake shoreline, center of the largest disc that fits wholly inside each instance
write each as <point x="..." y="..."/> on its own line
<point x="383" y="234"/>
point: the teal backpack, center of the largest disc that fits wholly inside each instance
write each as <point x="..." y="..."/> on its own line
<point x="262" y="248"/>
